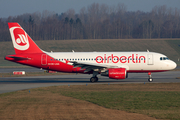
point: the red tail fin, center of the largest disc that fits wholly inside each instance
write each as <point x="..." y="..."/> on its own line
<point x="21" y="41"/>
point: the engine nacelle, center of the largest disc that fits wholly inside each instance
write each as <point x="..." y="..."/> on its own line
<point x="115" y="73"/>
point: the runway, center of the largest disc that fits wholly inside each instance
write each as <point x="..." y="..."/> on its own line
<point x="10" y="84"/>
<point x="28" y="69"/>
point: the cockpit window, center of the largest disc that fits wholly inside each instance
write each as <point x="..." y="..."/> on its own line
<point x="164" y="58"/>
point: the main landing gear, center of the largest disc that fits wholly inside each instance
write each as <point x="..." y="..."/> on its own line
<point x="150" y="77"/>
<point x="94" y="78"/>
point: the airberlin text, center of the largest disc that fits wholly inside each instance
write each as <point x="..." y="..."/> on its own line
<point x="134" y="58"/>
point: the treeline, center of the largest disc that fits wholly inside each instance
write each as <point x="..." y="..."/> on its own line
<point x="98" y="21"/>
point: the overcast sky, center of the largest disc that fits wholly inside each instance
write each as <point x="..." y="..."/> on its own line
<point x="18" y="7"/>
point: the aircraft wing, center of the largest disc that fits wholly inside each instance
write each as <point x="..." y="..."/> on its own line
<point x="91" y="66"/>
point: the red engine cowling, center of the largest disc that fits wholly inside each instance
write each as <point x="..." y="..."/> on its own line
<point x="117" y="73"/>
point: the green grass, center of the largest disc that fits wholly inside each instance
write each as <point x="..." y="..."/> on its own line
<point x="175" y="44"/>
<point x="165" y="46"/>
<point x="7" y="94"/>
<point x="163" y="104"/>
<point x="131" y="101"/>
<point x="135" y="101"/>
<point x="161" y="101"/>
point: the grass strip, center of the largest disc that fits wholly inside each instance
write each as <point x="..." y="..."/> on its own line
<point x="163" y="104"/>
<point x="161" y="101"/>
<point x="149" y="103"/>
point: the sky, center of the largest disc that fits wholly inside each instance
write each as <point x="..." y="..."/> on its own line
<point x="19" y="7"/>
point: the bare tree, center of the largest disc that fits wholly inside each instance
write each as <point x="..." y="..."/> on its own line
<point x="98" y="21"/>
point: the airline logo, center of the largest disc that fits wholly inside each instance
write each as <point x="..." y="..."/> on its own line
<point x="134" y="58"/>
<point x="19" y="38"/>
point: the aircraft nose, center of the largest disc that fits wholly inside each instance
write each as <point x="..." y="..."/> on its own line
<point x="173" y="65"/>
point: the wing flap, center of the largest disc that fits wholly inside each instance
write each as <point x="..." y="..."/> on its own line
<point x="91" y="66"/>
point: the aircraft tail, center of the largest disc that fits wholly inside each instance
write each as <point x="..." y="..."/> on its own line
<point x="22" y="42"/>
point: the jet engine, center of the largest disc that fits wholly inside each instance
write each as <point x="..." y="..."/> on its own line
<point x="115" y="73"/>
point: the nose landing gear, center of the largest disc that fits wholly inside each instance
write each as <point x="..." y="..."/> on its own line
<point x="150" y="77"/>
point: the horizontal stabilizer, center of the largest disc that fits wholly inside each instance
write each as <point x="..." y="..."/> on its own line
<point x="18" y="57"/>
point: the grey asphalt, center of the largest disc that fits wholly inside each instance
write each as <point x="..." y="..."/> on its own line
<point x="29" y="69"/>
<point x="9" y="84"/>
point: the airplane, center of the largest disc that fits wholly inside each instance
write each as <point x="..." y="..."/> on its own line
<point x="115" y="65"/>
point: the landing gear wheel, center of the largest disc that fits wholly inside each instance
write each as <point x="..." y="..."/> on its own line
<point x="150" y="79"/>
<point x="96" y="79"/>
<point x="93" y="79"/>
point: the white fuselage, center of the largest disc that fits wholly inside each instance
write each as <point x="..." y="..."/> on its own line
<point x="132" y="61"/>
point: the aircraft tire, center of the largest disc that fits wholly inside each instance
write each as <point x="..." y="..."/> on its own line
<point x="93" y="79"/>
<point x="96" y="79"/>
<point x="150" y="79"/>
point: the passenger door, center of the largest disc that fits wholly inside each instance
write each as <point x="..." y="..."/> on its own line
<point x="43" y="59"/>
<point x="150" y="59"/>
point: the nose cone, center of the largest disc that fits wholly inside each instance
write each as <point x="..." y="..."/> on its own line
<point x="173" y="65"/>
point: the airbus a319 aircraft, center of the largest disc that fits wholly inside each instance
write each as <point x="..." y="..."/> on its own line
<point x="115" y="65"/>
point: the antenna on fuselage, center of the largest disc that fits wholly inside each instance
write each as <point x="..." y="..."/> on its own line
<point x="147" y="50"/>
<point x="73" y="51"/>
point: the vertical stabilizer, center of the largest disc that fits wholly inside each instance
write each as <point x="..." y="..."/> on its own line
<point x="21" y="41"/>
